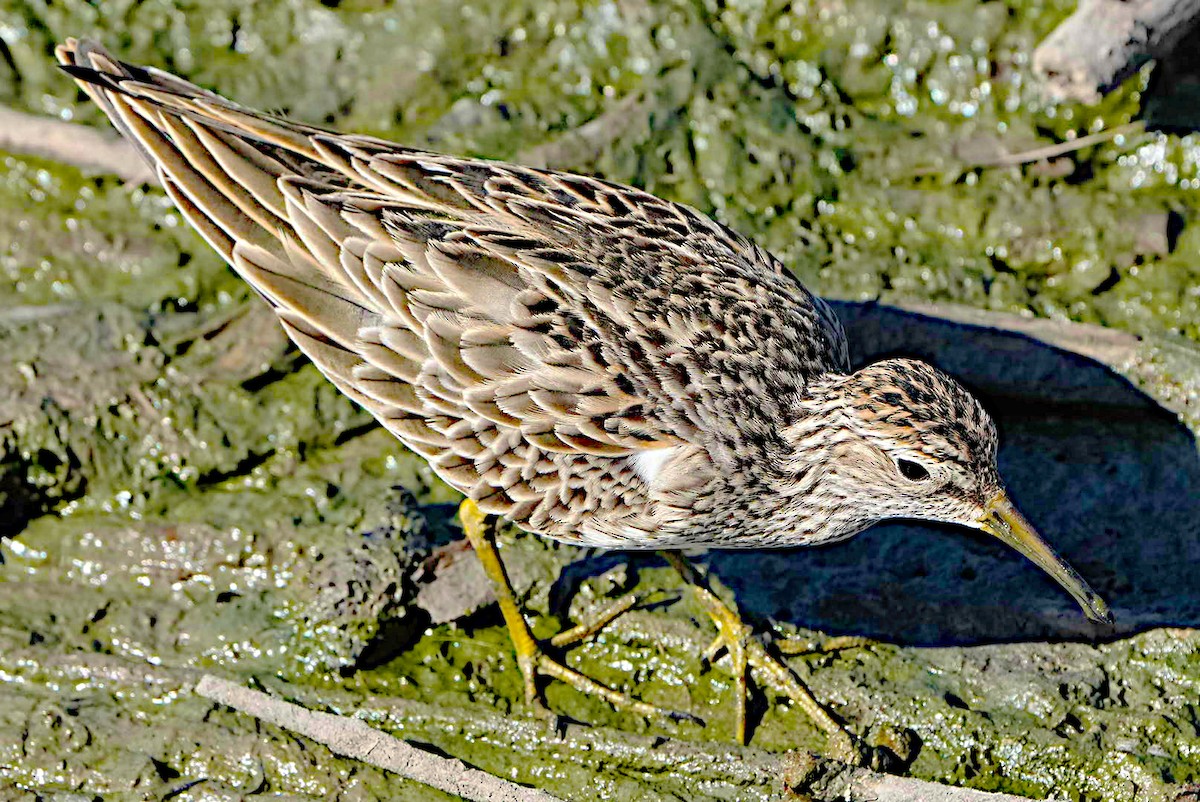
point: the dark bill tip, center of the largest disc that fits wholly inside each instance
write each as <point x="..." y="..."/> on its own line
<point x="1002" y="520"/>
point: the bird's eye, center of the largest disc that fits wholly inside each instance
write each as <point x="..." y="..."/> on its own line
<point x="912" y="471"/>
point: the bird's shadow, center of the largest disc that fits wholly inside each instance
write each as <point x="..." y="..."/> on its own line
<point x="1110" y="479"/>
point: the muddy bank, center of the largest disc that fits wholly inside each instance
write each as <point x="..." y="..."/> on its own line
<point x="181" y="493"/>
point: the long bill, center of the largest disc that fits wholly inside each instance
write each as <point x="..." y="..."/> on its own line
<point x="1004" y="521"/>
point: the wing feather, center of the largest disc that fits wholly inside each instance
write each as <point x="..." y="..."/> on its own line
<point x="526" y="331"/>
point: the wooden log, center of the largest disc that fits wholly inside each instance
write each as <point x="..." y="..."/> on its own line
<point x="1105" y="41"/>
<point x="71" y="143"/>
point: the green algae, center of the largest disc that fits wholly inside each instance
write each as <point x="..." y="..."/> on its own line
<point x="72" y="239"/>
<point x="832" y="132"/>
<point x="187" y="490"/>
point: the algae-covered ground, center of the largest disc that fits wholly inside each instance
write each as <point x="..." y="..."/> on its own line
<point x="181" y="492"/>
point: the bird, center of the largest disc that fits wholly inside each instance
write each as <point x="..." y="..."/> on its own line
<point x="580" y="358"/>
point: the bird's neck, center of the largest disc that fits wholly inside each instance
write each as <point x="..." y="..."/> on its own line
<point x="817" y="507"/>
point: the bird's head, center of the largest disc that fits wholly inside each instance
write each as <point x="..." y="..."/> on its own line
<point x="901" y="439"/>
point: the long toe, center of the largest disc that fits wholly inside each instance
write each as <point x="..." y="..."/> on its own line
<point x="748" y="653"/>
<point x="548" y="667"/>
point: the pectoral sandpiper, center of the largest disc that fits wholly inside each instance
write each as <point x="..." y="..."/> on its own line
<point x="584" y="359"/>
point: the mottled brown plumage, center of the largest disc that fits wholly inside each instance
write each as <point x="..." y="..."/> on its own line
<point x="592" y="362"/>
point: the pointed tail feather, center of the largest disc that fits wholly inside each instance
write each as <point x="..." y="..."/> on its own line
<point x="246" y="182"/>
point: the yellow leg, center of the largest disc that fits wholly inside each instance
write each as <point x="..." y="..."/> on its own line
<point x="530" y="658"/>
<point x="747" y="652"/>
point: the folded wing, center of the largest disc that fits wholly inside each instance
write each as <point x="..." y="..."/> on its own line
<point x="472" y="307"/>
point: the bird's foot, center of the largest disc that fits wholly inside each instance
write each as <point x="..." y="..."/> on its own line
<point x="531" y="658"/>
<point x="589" y="629"/>
<point x="748" y="654"/>
<point x="533" y="661"/>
